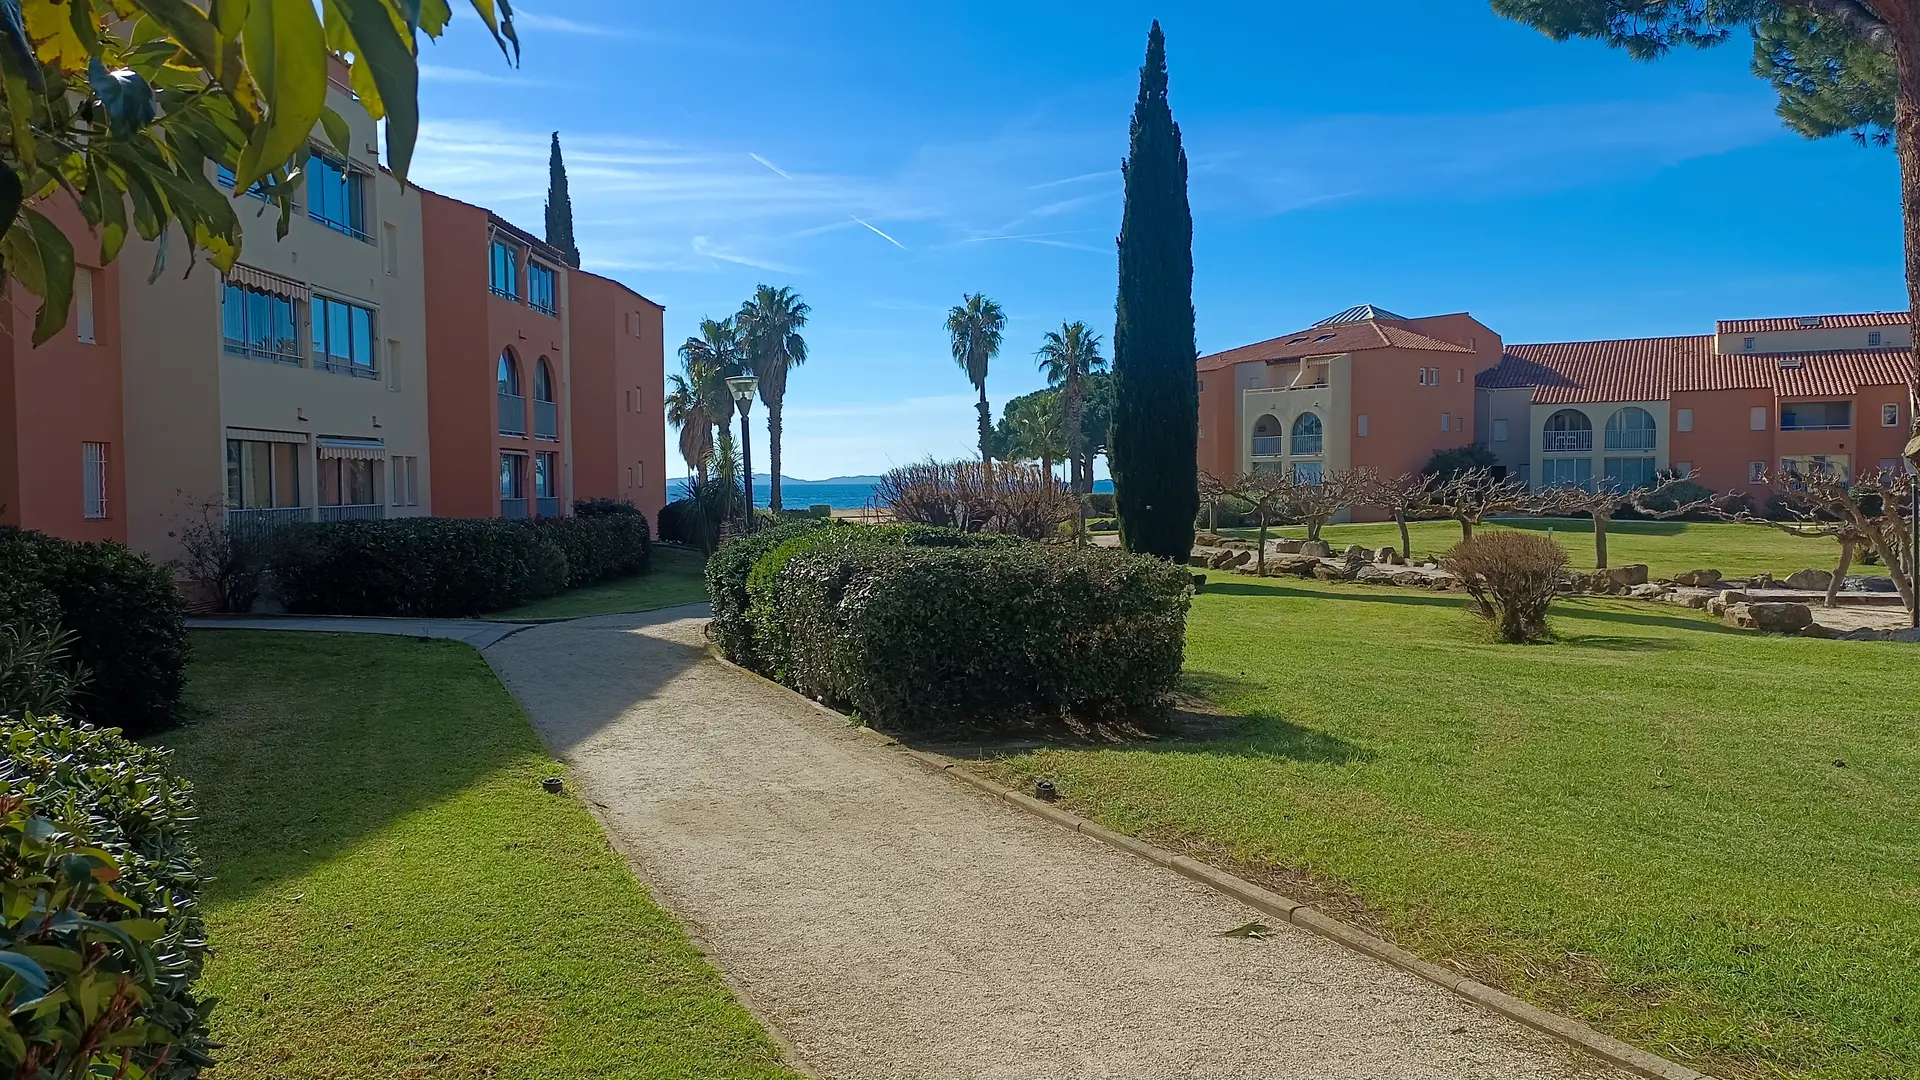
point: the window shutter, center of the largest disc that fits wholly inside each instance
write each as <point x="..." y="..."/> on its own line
<point x="83" y="303"/>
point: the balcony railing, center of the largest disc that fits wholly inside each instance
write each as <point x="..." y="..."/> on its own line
<point x="342" y="366"/>
<point x="352" y="512"/>
<point x="1788" y="422"/>
<point x="1268" y="445"/>
<point x="1566" y="442"/>
<point x="547" y="508"/>
<point x="513" y="509"/>
<point x="261" y="523"/>
<point x="546" y="420"/>
<point x="341" y="227"/>
<point x="513" y="415"/>
<point x="1645" y="441"/>
<point x="285" y="353"/>
<point x="1307" y="445"/>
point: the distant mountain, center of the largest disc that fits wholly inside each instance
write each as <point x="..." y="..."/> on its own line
<point x="767" y="478"/>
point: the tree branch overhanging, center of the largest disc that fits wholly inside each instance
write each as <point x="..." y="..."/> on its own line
<point x="1853" y="16"/>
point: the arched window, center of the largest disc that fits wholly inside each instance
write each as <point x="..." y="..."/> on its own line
<point x="509" y="374"/>
<point x="1631" y="428"/>
<point x="542" y="381"/>
<point x="1567" y="431"/>
<point x="1266" y="437"/>
<point x="1306" y="435"/>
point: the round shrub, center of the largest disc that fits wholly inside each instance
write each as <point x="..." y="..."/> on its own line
<point x="727" y="572"/>
<point x="592" y="508"/>
<point x="96" y="826"/>
<point x="1513" y="576"/>
<point x="127" y="623"/>
<point x="676" y="522"/>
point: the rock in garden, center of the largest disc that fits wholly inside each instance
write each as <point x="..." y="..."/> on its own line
<point x="1698" y="579"/>
<point x="1242" y="559"/>
<point x="1628" y="576"/>
<point x="1328" y="573"/>
<point x="1355" y="551"/>
<point x="1816" y="630"/>
<point x="1770" y="618"/>
<point x="1287" y="547"/>
<point x="1390" y="556"/>
<point x="1319" y="549"/>
<point x="1649" y="591"/>
<point x="1760" y="581"/>
<point x="1809" y="580"/>
<point x="1200" y="559"/>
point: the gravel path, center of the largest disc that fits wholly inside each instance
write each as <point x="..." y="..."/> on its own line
<point x="889" y="924"/>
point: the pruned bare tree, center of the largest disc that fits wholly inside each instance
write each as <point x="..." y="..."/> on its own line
<point x="1869" y="512"/>
<point x="1267" y="496"/>
<point x="1607" y="499"/>
<point x="1314" y="503"/>
<point x="1472" y="496"/>
<point x="1408" y="497"/>
<point x="1212" y="490"/>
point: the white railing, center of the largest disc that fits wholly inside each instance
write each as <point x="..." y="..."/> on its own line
<point x="513" y="414"/>
<point x="353" y="512"/>
<point x="266" y="522"/>
<point x="1632" y="440"/>
<point x="1566" y="442"/>
<point x="1307" y="445"/>
<point x="1267" y="445"/>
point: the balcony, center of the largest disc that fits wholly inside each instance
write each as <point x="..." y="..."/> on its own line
<point x="263" y="523"/>
<point x="513" y="509"/>
<point x="340" y="365"/>
<point x="1567" y="442"/>
<point x="1268" y="445"/>
<point x="1307" y="445"/>
<point x="547" y="508"/>
<point x="513" y="415"/>
<point x="285" y="352"/>
<point x="351" y="512"/>
<point x="546" y="420"/>
<point x="1817" y="416"/>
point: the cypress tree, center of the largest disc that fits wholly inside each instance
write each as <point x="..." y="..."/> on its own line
<point x="1156" y="422"/>
<point x="560" y="207"/>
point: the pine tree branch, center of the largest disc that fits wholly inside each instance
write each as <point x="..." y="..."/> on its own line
<point x="1854" y="17"/>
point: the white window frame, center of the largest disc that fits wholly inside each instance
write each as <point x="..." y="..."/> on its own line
<point x="83" y="304"/>
<point x="1873" y="339"/>
<point x="1501" y="431"/>
<point x="1683" y="469"/>
<point x="1360" y="426"/>
<point x="1446" y="421"/>
<point x="1890" y="414"/>
<point x="93" y="481"/>
<point x="1683" y="420"/>
<point x="1757" y="418"/>
<point x="1756" y="471"/>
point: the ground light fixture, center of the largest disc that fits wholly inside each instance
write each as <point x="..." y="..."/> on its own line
<point x="743" y="387"/>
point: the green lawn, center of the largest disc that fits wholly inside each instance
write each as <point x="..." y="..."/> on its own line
<point x="1667" y="547"/>
<point x="1704" y="841"/>
<point x="394" y="895"/>
<point x="675" y="580"/>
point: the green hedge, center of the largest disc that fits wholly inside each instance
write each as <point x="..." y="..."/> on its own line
<point x="445" y="567"/>
<point x="88" y="818"/>
<point x="126" y="619"/>
<point x="727" y="572"/>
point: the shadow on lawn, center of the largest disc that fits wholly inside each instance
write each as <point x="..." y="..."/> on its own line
<point x="1384" y="595"/>
<point x="1634" y="618"/>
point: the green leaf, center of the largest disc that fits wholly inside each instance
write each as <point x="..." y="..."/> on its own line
<point x="17" y="47"/>
<point x="188" y="26"/>
<point x="39" y="254"/>
<point x="31" y="975"/>
<point x="390" y="63"/>
<point x="502" y="27"/>
<point x="286" y="49"/>
<point x="338" y="133"/>
<point x="20" y="101"/>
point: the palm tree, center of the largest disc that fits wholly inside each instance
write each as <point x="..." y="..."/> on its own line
<point x="707" y="360"/>
<point x="770" y="335"/>
<point x="1067" y="356"/>
<point x="1034" y="426"/>
<point x="686" y="412"/>
<point x="975" y="325"/>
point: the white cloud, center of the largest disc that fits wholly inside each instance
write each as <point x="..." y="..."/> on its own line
<point x="436" y="73"/>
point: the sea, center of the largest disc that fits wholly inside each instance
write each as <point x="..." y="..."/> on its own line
<point x="795" y="494"/>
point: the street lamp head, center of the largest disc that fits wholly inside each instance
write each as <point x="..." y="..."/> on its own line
<point x="743" y="388"/>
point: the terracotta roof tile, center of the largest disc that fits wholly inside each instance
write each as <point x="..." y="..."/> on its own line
<point x="1329" y="341"/>
<point x="1827" y="322"/>
<point x="1654" y="369"/>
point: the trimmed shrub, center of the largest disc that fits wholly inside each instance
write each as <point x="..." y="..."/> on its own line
<point x="917" y="637"/>
<point x="1100" y="504"/>
<point x="591" y="508"/>
<point x="1513" y="576"/>
<point x="727" y="572"/>
<point x="441" y="567"/>
<point x="678" y="522"/>
<point x="94" y="825"/>
<point x="127" y="621"/>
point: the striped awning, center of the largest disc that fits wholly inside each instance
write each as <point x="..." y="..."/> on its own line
<point x="267" y="283"/>
<point x="258" y="435"/>
<point x="332" y="446"/>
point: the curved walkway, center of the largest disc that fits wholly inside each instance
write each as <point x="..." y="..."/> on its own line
<point x="889" y="924"/>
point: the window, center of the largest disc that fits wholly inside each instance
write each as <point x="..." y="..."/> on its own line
<point x="507" y="374"/>
<point x="1446" y="422"/>
<point x="227" y="179"/>
<point x="1567" y="432"/>
<point x="1757" y="420"/>
<point x="503" y="270"/>
<point x="336" y="196"/>
<point x="349" y="481"/>
<point x="1873" y="339"/>
<point x="546" y="414"/>
<point x="1834" y="465"/>
<point x="640" y="472"/>
<point x="1200" y="385"/>
<point x="1756" y="471"/>
<point x="1500" y="431"/>
<point x="343" y="337"/>
<point x="1683" y="468"/>
<point x="1747" y="345"/>
<point x="1566" y="472"/>
<point x="262" y="475"/>
<point x="1889" y="415"/>
<point x="405" y="481"/>
<point x="541" y="294"/>
<point x="1459" y="375"/>
<point x="1306" y="472"/>
<point x="390" y="249"/>
<point x="259" y="324"/>
<point x="1360" y="425"/>
<point x="545" y="476"/>
<point x="93" y="480"/>
<point x="1627" y="473"/>
<point x="1683" y="420"/>
<point x="393" y="364"/>
<point x="83" y="304"/>
<point x="1307" y="435"/>
<point x="1423" y="376"/>
<point x="1631" y="428"/>
<point x="1816" y="416"/>
<point x="1892" y="467"/>
<point x="512" y="407"/>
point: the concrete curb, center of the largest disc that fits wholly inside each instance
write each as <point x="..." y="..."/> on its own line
<point x="1572" y="1032"/>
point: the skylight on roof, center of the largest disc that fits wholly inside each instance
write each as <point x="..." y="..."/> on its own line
<point x="1298" y="340"/>
<point x="1809" y="322"/>
<point x="1324" y="337"/>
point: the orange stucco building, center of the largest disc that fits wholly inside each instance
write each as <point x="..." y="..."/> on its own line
<point x="619" y="415"/>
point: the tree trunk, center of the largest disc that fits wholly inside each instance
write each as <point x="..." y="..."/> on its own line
<point x="1262" y="556"/>
<point x="1046" y="465"/>
<point x="986" y="429"/>
<point x="1406" y="541"/>
<point x="1466" y="529"/>
<point x="1313" y="529"/>
<point x="1600" y="542"/>
<point x="773" y="457"/>
<point x="1904" y="20"/>
<point x="1840" y="572"/>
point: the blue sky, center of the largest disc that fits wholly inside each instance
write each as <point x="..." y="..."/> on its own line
<point x="884" y="158"/>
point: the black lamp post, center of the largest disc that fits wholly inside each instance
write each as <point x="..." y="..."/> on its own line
<point x="743" y="388"/>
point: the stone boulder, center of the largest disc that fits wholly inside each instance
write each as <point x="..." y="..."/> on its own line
<point x="1698" y="579"/>
<point x="1389" y="556"/>
<point x="1628" y="576"/>
<point x="1809" y="580"/>
<point x="1241" y="558"/>
<point x="1869" y="584"/>
<point x="1285" y="547"/>
<point x="1291" y="565"/>
<point x="1374" y="574"/>
<point x="1649" y="591"/>
<point x="1219" y="560"/>
<point x="1770" y="618"/>
<point x="1760" y="581"/>
<point x="1409" y="577"/>
<point x="1355" y="551"/>
<point x="1319" y="549"/>
<point x="1328" y="573"/>
<point x="1200" y="559"/>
